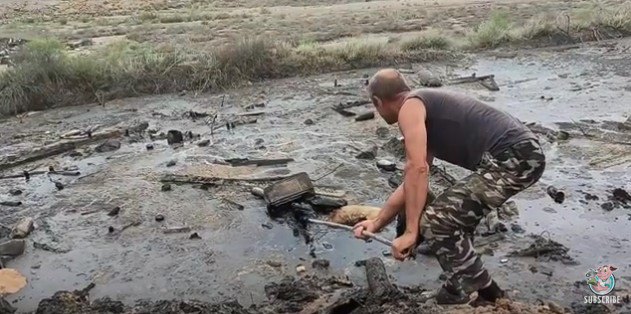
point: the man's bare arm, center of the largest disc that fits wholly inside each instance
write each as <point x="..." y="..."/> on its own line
<point x="416" y="182"/>
<point x="391" y="208"/>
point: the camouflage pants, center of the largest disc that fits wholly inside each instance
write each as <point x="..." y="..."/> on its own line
<point x="448" y="223"/>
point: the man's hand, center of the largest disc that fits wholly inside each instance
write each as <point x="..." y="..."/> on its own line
<point x="370" y="225"/>
<point x="403" y="246"/>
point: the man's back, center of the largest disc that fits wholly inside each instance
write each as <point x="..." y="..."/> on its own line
<point x="461" y="128"/>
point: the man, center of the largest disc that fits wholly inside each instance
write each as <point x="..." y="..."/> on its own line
<point x="503" y="154"/>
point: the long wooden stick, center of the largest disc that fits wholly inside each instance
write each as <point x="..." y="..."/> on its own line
<point x="349" y="228"/>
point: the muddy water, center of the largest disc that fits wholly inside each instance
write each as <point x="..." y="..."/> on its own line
<point x="231" y="259"/>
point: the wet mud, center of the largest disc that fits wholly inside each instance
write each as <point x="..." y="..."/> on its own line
<point x="132" y="255"/>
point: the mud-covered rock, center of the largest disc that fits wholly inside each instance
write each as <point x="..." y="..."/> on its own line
<point x="108" y="146"/>
<point x="5" y="307"/>
<point x="174" y="137"/>
<point x="66" y="302"/>
<point x="370" y="153"/>
<point x="320" y="264"/>
<point x="22" y="228"/>
<point x="291" y="295"/>
<point x="429" y="79"/>
<point x="187" y="306"/>
<point x="395" y="146"/>
<point x="12" y="248"/>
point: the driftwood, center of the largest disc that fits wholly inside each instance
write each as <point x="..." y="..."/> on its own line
<point x="379" y="292"/>
<point x="365" y="116"/>
<point x="175" y="178"/>
<point x="253" y="113"/>
<point x="58" y="148"/>
<point x="341" y="107"/>
<point x="487" y="81"/>
<point x="377" y="277"/>
<point x="61" y="173"/>
<point x="236" y="162"/>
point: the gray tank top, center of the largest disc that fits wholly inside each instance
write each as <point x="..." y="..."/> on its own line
<point x="461" y="128"/>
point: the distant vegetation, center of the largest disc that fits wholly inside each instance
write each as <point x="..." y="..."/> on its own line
<point x="45" y="74"/>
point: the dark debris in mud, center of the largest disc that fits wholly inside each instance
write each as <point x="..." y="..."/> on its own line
<point x="290" y="294"/>
<point x="546" y="249"/>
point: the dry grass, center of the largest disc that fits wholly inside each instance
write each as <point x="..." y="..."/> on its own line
<point x="46" y="75"/>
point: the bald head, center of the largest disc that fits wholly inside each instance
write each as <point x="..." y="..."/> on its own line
<point x="387" y="84"/>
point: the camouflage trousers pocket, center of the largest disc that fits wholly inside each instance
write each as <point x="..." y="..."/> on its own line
<point x="487" y="193"/>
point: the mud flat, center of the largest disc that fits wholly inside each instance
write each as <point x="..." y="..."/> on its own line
<point x="129" y="256"/>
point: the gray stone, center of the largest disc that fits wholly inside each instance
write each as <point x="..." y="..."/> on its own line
<point x="12" y="247"/>
<point x="108" y="146"/>
<point x="23" y="228"/>
<point x="203" y="143"/>
<point x="5" y="307"/>
<point x="174" y="137"/>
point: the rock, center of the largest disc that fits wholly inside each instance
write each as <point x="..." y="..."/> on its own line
<point x="5" y="307"/>
<point x="309" y="122"/>
<point x="159" y="218"/>
<point x="327" y="246"/>
<point x="608" y="206"/>
<point x="365" y="116"/>
<point x="108" y="146"/>
<point x="590" y="197"/>
<point x="75" y="154"/>
<point x="80" y="43"/>
<point x="22" y="229"/>
<point x="504" y="260"/>
<point x="194" y="236"/>
<point x="382" y="133"/>
<point x="149" y="146"/>
<point x="139" y="127"/>
<point x="395" y="180"/>
<point x="386" y="165"/>
<point x="114" y="211"/>
<point x="621" y="195"/>
<point x="171" y="163"/>
<point x="181" y="229"/>
<point x="174" y="137"/>
<point x="368" y="154"/>
<point x="267" y="225"/>
<point x="549" y="210"/>
<point x="11" y="203"/>
<point x="428" y="79"/>
<point x="258" y="192"/>
<point x="320" y="264"/>
<point x="203" y="143"/>
<point x="517" y="228"/>
<point x="110" y="229"/>
<point x="59" y="185"/>
<point x="395" y="147"/>
<point x="274" y="264"/>
<point x="15" y="192"/>
<point x="4" y="231"/>
<point x="12" y="248"/>
<point x="301" y="269"/>
<point x="166" y="187"/>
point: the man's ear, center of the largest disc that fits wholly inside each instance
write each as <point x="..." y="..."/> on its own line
<point x="377" y="101"/>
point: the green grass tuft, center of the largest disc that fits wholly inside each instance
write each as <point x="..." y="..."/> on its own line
<point x="491" y="33"/>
